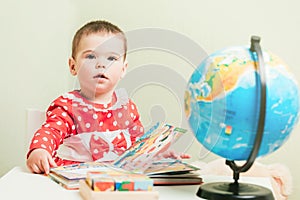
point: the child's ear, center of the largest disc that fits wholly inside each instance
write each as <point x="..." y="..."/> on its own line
<point x="124" y="69"/>
<point x="72" y="66"/>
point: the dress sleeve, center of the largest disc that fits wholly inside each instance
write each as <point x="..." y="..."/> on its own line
<point x="58" y="125"/>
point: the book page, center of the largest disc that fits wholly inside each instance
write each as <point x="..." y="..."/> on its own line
<point x="141" y="155"/>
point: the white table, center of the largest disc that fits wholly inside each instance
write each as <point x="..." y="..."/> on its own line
<point x="18" y="183"/>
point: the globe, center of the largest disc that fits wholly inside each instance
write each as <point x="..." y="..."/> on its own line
<point x="222" y="103"/>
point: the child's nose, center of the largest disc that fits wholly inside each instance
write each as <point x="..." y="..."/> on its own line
<point x="100" y="63"/>
<point x="98" y="66"/>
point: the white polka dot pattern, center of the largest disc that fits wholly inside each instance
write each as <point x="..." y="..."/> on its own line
<point x="71" y="115"/>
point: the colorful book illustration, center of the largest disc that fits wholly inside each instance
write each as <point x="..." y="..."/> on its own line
<point x="141" y="158"/>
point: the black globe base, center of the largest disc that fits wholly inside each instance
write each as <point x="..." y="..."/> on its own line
<point x="233" y="191"/>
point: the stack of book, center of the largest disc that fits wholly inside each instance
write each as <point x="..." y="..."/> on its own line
<point x="177" y="173"/>
<point x="173" y="172"/>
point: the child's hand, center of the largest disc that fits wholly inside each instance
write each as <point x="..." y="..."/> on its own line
<point x="172" y="154"/>
<point x="40" y="161"/>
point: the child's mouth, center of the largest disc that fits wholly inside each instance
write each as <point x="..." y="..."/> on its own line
<point x="100" y="76"/>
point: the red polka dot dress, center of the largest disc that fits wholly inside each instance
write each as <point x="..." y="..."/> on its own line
<point x="78" y="130"/>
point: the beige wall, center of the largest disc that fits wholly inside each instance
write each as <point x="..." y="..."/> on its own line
<point x="36" y="40"/>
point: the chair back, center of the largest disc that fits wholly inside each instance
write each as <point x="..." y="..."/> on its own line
<point x="35" y="118"/>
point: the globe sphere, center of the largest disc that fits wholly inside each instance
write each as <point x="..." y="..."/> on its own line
<point x="222" y="103"/>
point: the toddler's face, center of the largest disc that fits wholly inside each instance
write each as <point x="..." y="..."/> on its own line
<point x="99" y="63"/>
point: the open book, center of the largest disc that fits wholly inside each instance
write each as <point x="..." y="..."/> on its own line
<point x="142" y="157"/>
<point x="146" y="150"/>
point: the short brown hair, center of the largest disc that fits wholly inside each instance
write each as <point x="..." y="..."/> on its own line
<point x="96" y="27"/>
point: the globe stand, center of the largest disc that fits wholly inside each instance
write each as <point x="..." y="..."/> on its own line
<point x="236" y="190"/>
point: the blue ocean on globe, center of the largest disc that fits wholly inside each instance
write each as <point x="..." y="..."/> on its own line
<point x="222" y="102"/>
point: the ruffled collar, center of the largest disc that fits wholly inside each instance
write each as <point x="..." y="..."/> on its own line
<point x="119" y="99"/>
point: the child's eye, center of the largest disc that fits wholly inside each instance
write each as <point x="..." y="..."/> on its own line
<point x="112" y="58"/>
<point x="90" y="56"/>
